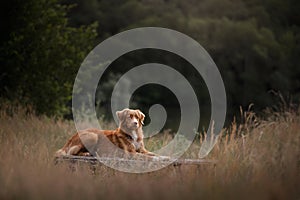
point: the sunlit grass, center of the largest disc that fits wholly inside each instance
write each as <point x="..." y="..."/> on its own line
<point x="257" y="159"/>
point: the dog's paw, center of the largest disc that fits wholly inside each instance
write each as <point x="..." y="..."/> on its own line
<point x="164" y="157"/>
<point x="85" y="154"/>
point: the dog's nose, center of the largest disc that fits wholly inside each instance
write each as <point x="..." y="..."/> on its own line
<point x="135" y="123"/>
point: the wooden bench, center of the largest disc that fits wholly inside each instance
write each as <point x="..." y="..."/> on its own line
<point x="94" y="163"/>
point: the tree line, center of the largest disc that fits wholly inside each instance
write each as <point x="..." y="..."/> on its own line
<point x="254" y="43"/>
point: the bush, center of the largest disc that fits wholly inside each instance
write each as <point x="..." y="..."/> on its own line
<point x="41" y="54"/>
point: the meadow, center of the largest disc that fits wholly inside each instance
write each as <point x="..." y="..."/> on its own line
<point x="257" y="158"/>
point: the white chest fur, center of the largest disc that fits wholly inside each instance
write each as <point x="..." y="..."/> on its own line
<point x="135" y="142"/>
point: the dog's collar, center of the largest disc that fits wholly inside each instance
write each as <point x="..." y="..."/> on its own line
<point x="128" y="136"/>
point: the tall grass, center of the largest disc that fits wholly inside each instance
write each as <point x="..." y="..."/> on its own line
<point x="257" y="159"/>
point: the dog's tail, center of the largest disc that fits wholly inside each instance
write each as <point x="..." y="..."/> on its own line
<point x="60" y="152"/>
<point x="64" y="150"/>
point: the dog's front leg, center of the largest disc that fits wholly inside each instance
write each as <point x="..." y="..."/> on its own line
<point x="143" y="150"/>
<point x="154" y="156"/>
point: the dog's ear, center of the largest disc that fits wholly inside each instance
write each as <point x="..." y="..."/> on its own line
<point x="122" y="114"/>
<point x="141" y="116"/>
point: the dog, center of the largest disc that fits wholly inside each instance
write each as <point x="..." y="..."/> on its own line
<point x="128" y="136"/>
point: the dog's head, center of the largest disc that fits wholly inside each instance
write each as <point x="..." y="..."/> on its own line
<point x="130" y="119"/>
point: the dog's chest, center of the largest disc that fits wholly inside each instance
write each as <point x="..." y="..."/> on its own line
<point x="135" y="141"/>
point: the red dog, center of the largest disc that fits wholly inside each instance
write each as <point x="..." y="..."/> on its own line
<point x="129" y="136"/>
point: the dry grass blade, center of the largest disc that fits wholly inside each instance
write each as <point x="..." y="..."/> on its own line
<point x="257" y="159"/>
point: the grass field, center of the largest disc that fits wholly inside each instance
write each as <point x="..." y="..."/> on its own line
<point x="257" y="159"/>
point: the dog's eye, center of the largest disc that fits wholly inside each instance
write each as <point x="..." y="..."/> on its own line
<point x="131" y="116"/>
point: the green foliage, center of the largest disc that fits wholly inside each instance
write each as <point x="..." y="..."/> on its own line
<point x="41" y="56"/>
<point x="254" y="43"/>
